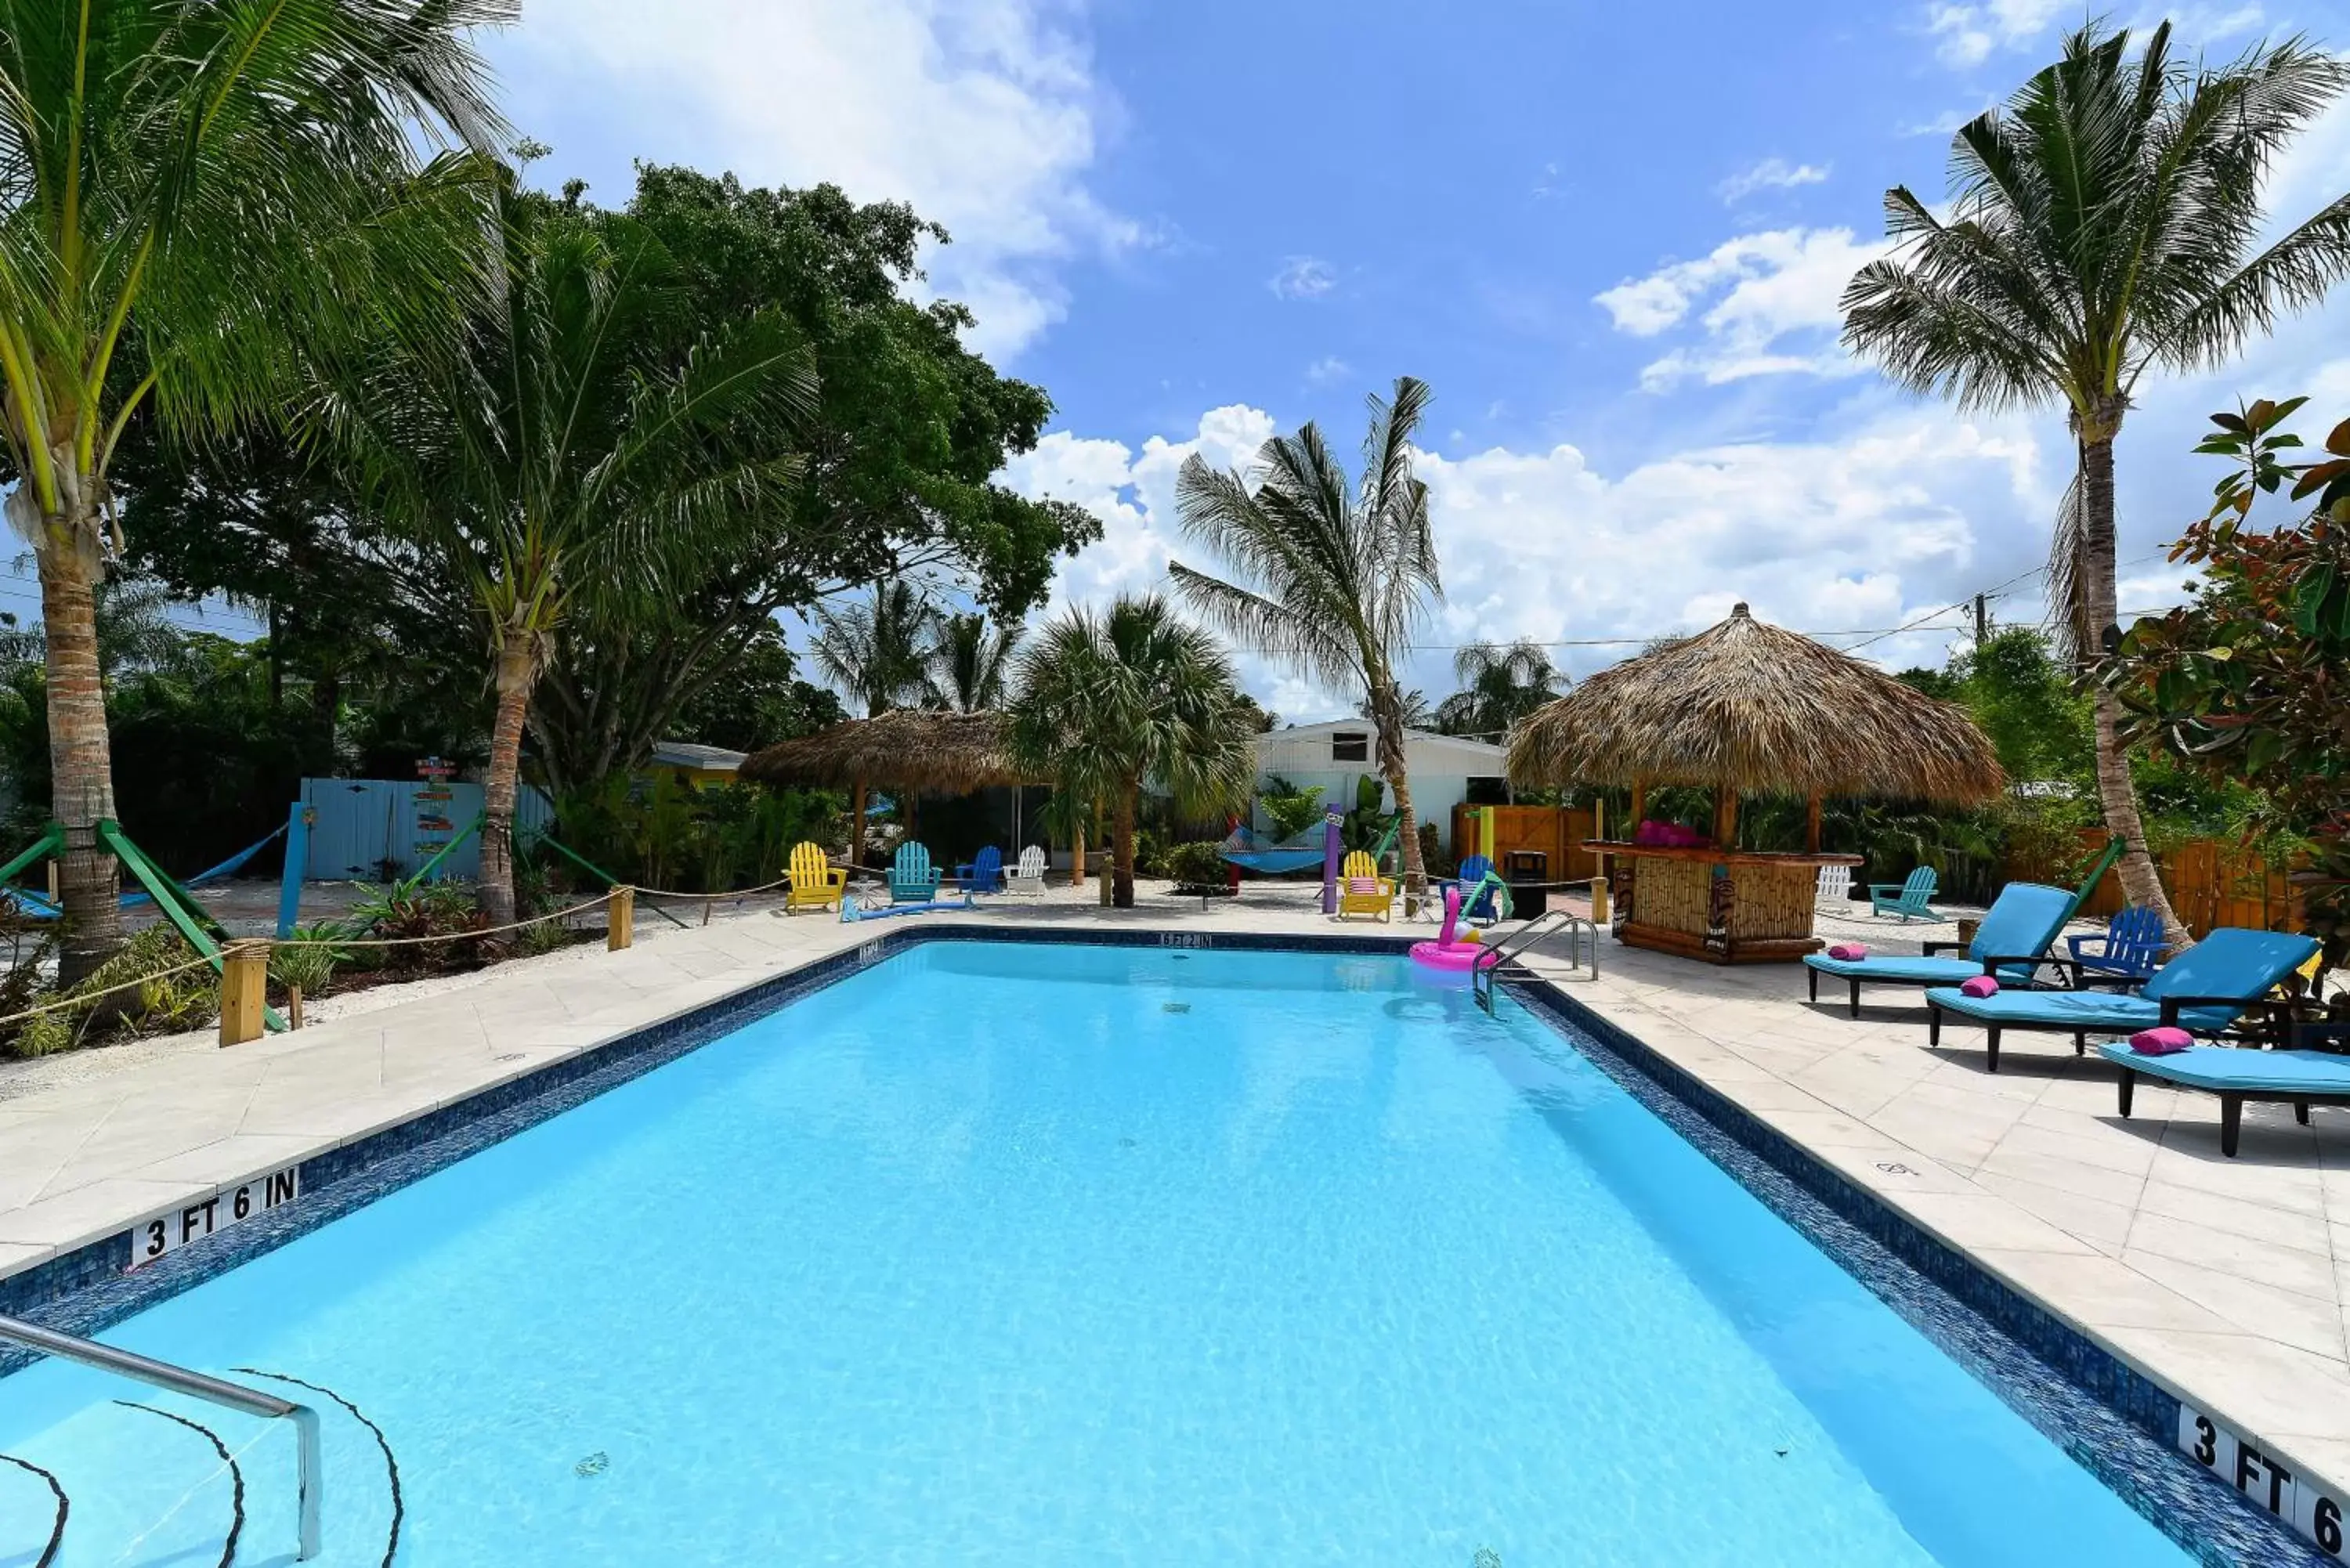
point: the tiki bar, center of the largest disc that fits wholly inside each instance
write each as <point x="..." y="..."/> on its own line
<point x="1744" y="708"/>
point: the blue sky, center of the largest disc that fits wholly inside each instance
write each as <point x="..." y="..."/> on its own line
<point x="1610" y="236"/>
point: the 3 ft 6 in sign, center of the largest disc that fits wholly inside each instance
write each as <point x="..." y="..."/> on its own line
<point x="2301" y="1500"/>
<point x="163" y="1234"/>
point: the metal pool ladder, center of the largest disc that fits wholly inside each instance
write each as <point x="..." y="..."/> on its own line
<point x="195" y="1386"/>
<point x="1578" y="930"/>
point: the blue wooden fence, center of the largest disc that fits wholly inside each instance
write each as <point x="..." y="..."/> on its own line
<point x="368" y="830"/>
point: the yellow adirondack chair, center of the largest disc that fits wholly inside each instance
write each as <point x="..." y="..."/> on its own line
<point x="816" y="882"/>
<point x="1379" y="904"/>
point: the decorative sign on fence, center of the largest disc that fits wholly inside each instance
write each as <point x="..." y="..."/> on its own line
<point x="434" y="826"/>
<point x="2303" y="1502"/>
<point x="165" y="1233"/>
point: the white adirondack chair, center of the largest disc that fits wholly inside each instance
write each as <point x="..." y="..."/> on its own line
<point x="1027" y="877"/>
<point x="1836" y="884"/>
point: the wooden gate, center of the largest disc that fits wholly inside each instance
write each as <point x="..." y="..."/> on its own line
<point x="1556" y="831"/>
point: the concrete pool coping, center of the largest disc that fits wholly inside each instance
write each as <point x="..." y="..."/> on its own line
<point x="81" y="1162"/>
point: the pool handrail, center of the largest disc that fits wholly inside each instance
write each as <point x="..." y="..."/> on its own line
<point x="195" y="1386"/>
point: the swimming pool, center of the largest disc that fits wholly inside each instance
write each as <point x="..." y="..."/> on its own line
<point x="996" y="1253"/>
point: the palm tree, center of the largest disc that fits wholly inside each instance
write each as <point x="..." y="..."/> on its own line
<point x="1498" y="686"/>
<point x="1107" y="700"/>
<point x="875" y="652"/>
<point x="1334" y="578"/>
<point x="970" y="661"/>
<point x="190" y="194"/>
<point x="2103" y="224"/>
<point x="582" y="451"/>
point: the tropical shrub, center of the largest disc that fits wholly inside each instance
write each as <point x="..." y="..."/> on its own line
<point x="1290" y="808"/>
<point x="1198" y="864"/>
<point x="307" y="958"/>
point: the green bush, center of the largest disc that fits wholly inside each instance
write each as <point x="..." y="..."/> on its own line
<point x="311" y="965"/>
<point x="45" y="1034"/>
<point x="163" y="1003"/>
<point x="1290" y="809"/>
<point x="1197" y="865"/>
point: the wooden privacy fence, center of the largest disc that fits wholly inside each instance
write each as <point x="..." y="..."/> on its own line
<point x="2212" y="883"/>
<point x="1556" y="831"/>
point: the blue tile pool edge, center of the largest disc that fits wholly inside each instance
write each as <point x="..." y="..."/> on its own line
<point x="2111" y="1418"/>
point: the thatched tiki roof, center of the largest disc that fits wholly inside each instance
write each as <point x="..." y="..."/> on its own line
<point x="1749" y="707"/>
<point x="909" y="748"/>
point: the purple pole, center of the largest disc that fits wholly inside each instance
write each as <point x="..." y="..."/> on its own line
<point x="1330" y="862"/>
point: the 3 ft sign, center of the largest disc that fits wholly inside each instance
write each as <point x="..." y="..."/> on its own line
<point x="167" y="1232"/>
<point x="2301" y="1501"/>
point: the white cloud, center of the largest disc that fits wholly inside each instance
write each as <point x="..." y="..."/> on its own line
<point x="983" y="115"/>
<point x="1912" y="510"/>
<point x="1765" y="288"/>
<point x="1771" y="174"/>
<point x="1304" y="277"/>
<point x="1328" y="370"/>
<point x="1969" y="31"/>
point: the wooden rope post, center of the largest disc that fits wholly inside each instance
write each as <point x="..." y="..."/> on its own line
<point x="244" y="991"/>
<point x="621" y="924"/>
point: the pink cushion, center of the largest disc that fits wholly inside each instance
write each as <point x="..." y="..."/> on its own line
<point x="1981" y="985"/>
<point x="1364" y="886"/>
<point x="1849" y="952"/>
<point x="2165" y="1042"/>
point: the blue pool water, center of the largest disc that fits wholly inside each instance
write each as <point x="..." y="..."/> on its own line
<point x="1031" y="1255"/>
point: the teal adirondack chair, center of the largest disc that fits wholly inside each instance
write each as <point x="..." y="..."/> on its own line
<point x="1908" y="900"/>
<point x="912" y="878"/>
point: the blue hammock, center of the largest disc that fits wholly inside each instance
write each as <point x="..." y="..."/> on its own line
<point x="1251" y="853"/>
<point x="37" y="907"/>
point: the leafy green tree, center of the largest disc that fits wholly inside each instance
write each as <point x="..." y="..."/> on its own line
<point x="762" y="700"/>
<point x="970" y="662"/>
<point x="1498" y="686"/>
<point x="900" y="450"/>
<point x="1333" y="578"/>
<point x="2249" y="680"/>
<point x="590" y="445"/>
<point x="1107" y="700"/>
<point x="2104" y="224"/>
<point x="193" y="195"/>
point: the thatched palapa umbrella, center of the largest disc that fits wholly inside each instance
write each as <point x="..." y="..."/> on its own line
<point x="1747" y="706"/>
<point x="909" y="748"/>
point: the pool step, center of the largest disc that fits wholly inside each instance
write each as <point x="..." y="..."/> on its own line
<point x="144" y="1485"/>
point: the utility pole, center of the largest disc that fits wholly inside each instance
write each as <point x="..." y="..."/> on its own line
<point x="1982" y="620"/>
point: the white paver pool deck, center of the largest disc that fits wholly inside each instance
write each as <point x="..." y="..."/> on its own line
<point x="2226" y="1279"/>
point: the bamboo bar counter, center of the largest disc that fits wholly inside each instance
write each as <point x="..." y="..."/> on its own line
<point x="1725" y="906"/>
<point x="1748" y="707"/>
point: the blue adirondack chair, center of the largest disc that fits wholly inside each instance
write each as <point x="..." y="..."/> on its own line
<point x="1472" y="877"/>
<point x="912" y="878"/>
<point x="2131" y="947"/>
<point x="983" y="873"/>
<point x="1908" y="900"/>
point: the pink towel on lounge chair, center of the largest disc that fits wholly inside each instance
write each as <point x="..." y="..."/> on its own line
<point x="1849" y="952"/>
<point x="1981" y="985"/>
<point x="2168" y="1041"/>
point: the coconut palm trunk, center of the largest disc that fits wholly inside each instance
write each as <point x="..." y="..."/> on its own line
<point x="1390" y="725"/>
<point x="2101" y="609"/>
<point x="517" y="674"/>
<point x="80" y="762"/>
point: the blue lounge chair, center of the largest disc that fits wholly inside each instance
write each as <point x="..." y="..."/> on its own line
<point x="2236" y="1075"/>
<point x="2014" y="934"/>
<point x="2207" y="987"/>
<point x="1906" y="899"/>
<point x="2130" y="948"/>
<point x="912" y="878"/>
<point x="983" y="873"/>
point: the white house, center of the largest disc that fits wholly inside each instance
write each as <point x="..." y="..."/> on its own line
<point x="1332" y="756"/>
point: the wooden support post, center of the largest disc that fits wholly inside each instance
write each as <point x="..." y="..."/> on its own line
<point x="1812" y="827"/>
<point x="621" y="927"/>
<point x="245" y="987"/>
<point x="1725" y="818"/>
<point x="1640" y="809"/>
<point x="294" y="1007"/>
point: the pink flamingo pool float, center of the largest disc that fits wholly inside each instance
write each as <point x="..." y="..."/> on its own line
<point x="1446" y="952"/>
